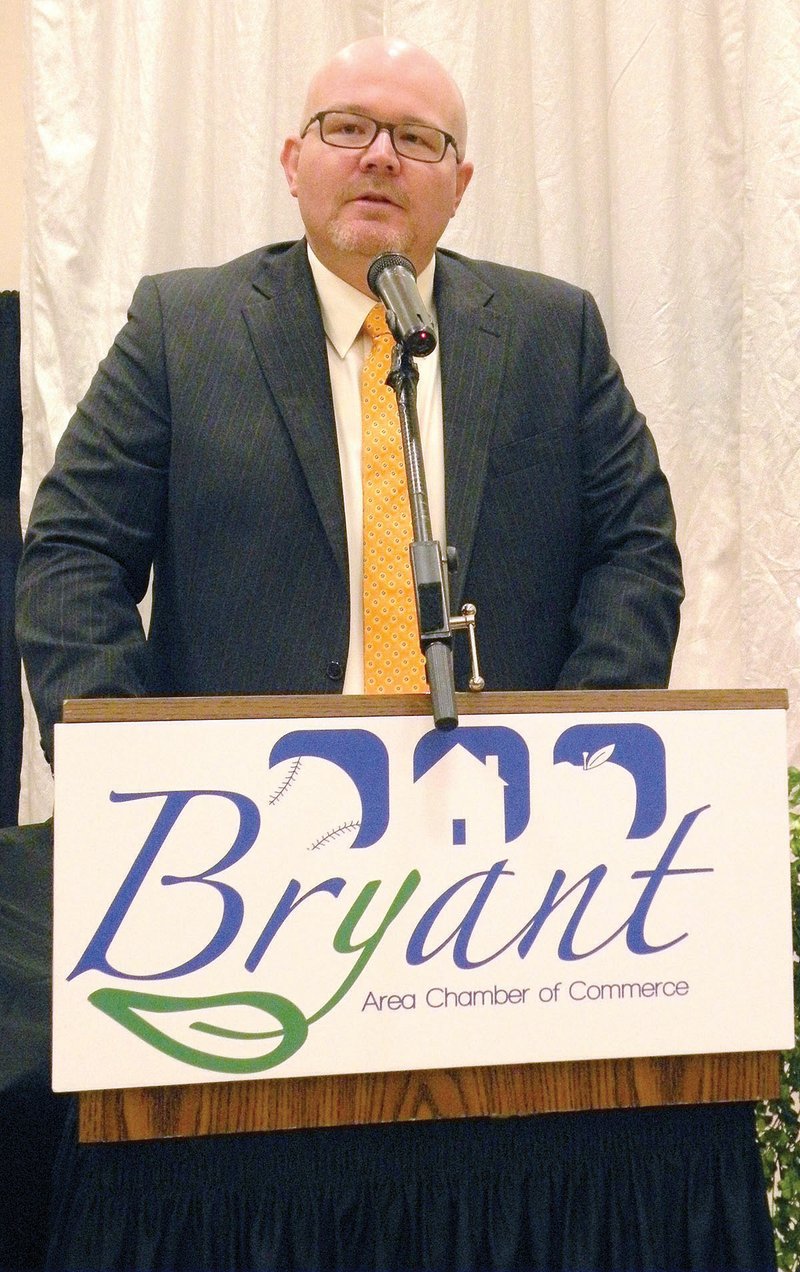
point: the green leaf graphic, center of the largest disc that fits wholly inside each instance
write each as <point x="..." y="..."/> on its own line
<point x="124" y="1006"/>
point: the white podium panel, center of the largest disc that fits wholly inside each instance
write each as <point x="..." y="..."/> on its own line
<point x="281" y="897"/>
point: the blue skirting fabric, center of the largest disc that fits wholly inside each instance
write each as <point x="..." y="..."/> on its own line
<point x="658" y="1190"/>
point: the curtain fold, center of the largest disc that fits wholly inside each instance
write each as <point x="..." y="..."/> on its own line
<point x="10" y="546"/>
<point x="648" y="151"/>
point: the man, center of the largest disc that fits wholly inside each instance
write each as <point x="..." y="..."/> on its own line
<point x="220" y="443"/>
<point x="210" y="446"/>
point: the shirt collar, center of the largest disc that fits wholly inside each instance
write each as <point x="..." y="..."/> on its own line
<point x="344" y="308"/>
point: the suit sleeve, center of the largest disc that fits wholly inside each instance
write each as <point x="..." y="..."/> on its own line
<point x="624" y="624"/>
<point x="93" y="531"/>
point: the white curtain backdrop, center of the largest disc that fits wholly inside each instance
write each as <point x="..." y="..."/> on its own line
<point x="646" y="149"/>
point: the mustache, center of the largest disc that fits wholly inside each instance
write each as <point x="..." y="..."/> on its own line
<point x="378" y="189"/>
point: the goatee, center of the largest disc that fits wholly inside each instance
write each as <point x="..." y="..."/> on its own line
<point x="368" y="240"/>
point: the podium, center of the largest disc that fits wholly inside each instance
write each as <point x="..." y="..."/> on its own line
<point x="445" y="1091"/>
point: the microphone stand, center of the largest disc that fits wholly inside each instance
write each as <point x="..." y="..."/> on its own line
<point x="436" y="626"/>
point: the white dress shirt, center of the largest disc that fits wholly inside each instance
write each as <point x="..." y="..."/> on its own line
<point x="343" y="312"/>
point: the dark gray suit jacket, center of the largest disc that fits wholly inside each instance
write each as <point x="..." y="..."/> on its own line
<point x="206" y="447"/>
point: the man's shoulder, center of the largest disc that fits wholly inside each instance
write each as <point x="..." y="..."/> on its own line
<point x="262" y="266"/>
<point x="507" y="282"/>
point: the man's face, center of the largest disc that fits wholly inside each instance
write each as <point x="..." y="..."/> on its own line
<point x="356" y="204"/>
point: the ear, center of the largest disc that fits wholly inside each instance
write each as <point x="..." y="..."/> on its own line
<point x="290" y="154"/>
<point x="463" y="177"/>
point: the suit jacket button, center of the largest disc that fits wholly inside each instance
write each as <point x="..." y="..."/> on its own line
<point x="334" y="670"/>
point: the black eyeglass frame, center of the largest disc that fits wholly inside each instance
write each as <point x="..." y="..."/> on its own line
<point x="381" y="125"/>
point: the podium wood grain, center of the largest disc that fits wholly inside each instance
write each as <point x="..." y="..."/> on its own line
<point x="332" y="706"/>
<point x="496" y="1091"/>
<point x="500" y="1091"/>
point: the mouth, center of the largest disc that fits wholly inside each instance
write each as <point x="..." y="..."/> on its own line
<point x="376" y="199"/>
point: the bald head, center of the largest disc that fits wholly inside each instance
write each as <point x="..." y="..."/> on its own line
<point x="391" y="60"/>
<point x="360" y="200"/>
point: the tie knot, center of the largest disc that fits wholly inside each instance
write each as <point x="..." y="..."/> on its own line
<point x="375" y="323"/>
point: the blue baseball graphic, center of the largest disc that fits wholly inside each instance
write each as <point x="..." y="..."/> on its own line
<point x="362" y="756"/>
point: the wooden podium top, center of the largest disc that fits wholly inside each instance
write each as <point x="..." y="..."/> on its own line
<point x="289" y="706"/>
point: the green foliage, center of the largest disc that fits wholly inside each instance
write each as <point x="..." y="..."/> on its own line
<point x="778" y="1121"/>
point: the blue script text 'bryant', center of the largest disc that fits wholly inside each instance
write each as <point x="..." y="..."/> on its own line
<point x="431" y="933"/>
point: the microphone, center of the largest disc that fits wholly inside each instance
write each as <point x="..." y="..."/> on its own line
<point x="393" y="280"/>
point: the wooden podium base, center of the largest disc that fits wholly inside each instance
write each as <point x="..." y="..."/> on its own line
<point x="499" y="1091"/>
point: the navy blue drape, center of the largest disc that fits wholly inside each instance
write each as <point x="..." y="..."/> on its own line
<point x="10" y="546"/>
<point x="649" y="1190"/>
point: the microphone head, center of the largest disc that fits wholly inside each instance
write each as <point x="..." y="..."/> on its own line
<point x="389" y="260"/>
<point x="393" y="279"/>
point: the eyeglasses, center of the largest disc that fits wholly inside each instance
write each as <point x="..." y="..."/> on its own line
<point x="351" y="131"/>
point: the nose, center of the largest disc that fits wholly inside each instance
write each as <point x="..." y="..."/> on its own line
<point x="380" y="153"/>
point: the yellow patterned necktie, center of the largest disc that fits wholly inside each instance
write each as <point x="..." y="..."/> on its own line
<point x="392" y="659"/>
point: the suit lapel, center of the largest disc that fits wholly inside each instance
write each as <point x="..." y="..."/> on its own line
<point x="285" y="325"/>
<point x="474" y="337"/>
